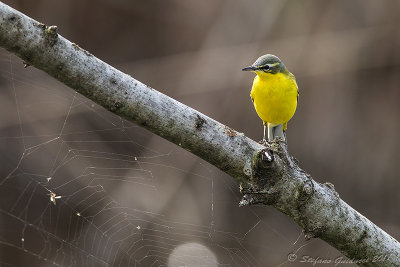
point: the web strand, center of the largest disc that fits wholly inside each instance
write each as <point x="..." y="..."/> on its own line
<point x="88" y="188"/>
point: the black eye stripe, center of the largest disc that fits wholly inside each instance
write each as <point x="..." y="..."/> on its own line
<point x="265" y="67"/>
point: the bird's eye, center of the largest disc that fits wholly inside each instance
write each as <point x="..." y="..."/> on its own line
<point x="265" y="68"/>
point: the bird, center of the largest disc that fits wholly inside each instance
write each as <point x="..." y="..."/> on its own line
<point x="274" y="94"/>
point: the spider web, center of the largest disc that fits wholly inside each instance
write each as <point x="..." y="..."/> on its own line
<point x="79" y="186"/>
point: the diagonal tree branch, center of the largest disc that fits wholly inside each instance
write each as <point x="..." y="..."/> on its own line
<point x="276" y="181"/>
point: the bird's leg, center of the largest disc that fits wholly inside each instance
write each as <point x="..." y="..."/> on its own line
<point x="274" y="131"/>
<point x="271" y="133"/>
<point x="265" y="129"/>
<point x="278" y="131"/>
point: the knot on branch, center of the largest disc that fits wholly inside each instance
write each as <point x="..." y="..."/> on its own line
<point x="199" y="122"/>
<point x="306" y="191"/>
<point x="308" y="187"/>
<point x="331" y="187"/>
<point x="253" y="198"/>
<point x="264" y="160"/>
<point x="230" y="132"/>
<point x="246" y="200"/>
<point x="267" y="156"/>
<point x="77" y="47"/>
<point x="314" y="231"/>
<point x="267" y="168"/>
<point x="51" y="35"/>
<point x="264" y="170"/>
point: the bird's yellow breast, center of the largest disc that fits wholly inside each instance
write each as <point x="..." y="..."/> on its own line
<point x="274" y="97"/>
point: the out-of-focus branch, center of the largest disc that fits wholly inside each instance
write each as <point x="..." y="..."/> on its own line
<point x="316" y="207"/>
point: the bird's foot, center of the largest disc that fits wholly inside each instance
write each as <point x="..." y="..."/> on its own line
<point x="279" y="139"/>
<point x="265" y="142"/>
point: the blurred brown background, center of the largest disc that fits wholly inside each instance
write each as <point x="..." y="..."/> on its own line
<point x="145" y="202"/>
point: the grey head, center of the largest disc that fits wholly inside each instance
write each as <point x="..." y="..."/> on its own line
<point x="267" y="63"/>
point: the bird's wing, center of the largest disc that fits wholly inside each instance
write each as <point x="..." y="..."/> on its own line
<point x="294" y="79"/>
<point x="252" y="91"/>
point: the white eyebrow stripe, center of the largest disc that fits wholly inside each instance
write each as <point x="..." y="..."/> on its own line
<point x="273" y="65"/>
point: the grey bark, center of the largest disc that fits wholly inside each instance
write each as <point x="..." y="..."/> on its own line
<point x="279" y="182"/>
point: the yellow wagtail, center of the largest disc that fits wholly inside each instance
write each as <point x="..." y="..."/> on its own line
<point x="274" y="94"/>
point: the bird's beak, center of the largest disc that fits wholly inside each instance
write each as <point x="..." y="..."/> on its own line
<point x="250" y="68"/>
